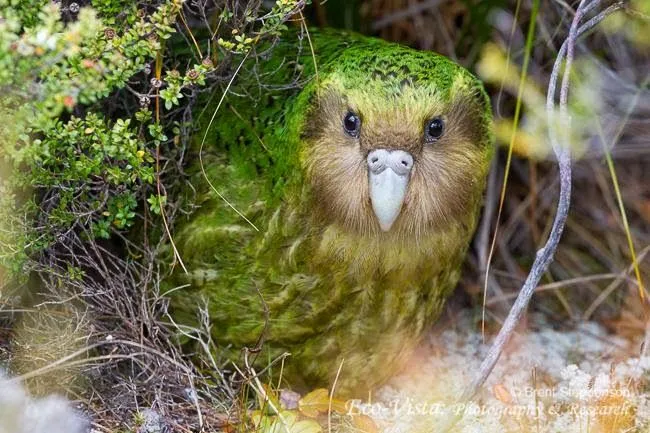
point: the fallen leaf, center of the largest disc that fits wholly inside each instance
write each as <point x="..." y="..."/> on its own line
<point x="502" y="394"/>
<point x="289" y="399"/>
<point x="306" y="426"/>
<point x="365" y="424"/>
<point x="314" y="403"/>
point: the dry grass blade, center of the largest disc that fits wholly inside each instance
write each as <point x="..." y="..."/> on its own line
<point x="207" y="130"/>
<point x="520" y="90"/>
<point x="617" y="190"/>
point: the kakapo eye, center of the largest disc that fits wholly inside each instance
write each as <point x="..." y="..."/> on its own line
<point x="352" y="124"/>
<point x="434" y="129"/>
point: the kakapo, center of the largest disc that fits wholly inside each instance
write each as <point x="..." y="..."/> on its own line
<point x="354" y="176"/>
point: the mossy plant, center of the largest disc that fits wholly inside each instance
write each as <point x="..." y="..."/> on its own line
<point x="68" y="165"/>
<point x="88" y="111"/>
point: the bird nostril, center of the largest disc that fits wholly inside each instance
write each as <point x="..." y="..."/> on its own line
<point x="405" y="163"/>
<point x="375" y="159"/>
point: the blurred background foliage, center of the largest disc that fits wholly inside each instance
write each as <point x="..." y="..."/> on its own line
<point x="96" y="114"/>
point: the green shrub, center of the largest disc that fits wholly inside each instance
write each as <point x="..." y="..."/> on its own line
<point x="93" y="99"/>
<point x="67" y="164"/>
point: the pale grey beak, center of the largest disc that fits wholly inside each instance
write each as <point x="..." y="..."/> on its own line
<point x="388" y="178"/>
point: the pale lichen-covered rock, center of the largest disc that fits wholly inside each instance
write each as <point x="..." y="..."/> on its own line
<point x="20" y="413"/>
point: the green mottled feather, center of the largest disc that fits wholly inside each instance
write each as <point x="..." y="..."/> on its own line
<point x="304" y="285"/>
